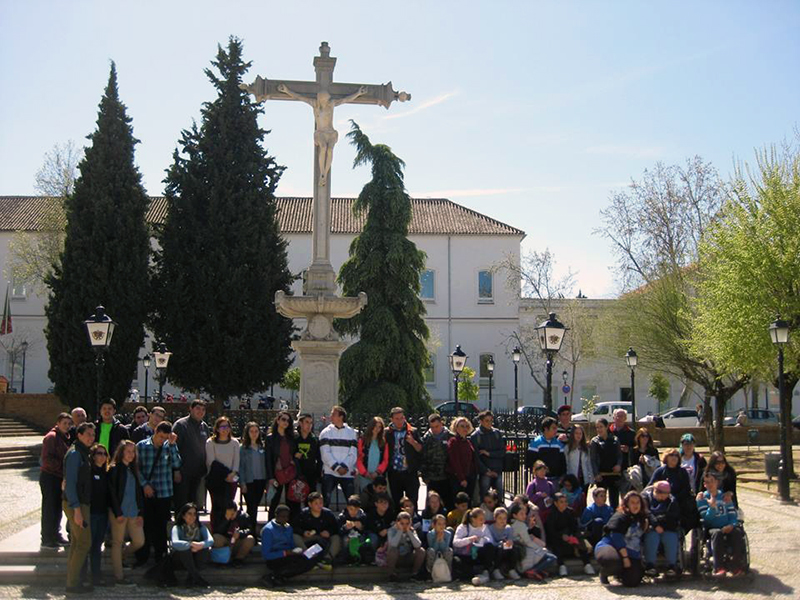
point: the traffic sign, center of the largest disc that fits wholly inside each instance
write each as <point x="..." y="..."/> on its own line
<point x="566" y="389"/>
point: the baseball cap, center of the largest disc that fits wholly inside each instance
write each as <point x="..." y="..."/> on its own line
<point x="687" y="438"/>
<point x="564" y="408"/>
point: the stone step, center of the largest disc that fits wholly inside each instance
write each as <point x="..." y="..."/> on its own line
<point x="19" y="464"/>
<point x="20" y="433"/>
<point x="18" y="451"/>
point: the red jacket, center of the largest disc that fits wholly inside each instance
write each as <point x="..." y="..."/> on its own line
<point x="461" y="459"/>
<point x="362" y="460"/>
<point x="54" y="447"/>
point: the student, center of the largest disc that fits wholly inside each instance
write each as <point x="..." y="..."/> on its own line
<point x="624" y="434"/>
<point x="373" y="452"/>
<point x="456" y="516"/>
<point x="606" y="458"/>
<point x="717" y="462"/>
<point x="576" y="499"/>
<point x="191" y="545"/>
<point x="316" y="524"/>
<point x="462" y="461"/>
<point x="433" y="507"/>
<point x="439" y="540"/>
<point x="281" y="465"/>
<point x="619" y="551"/>
<point x="540" y="490"/>
<point x="404" y="548"/>
<point x="353" y="531"/>
<point x="193" y="433"/>
<point x="643" y="459"/>
<point x="595" y="516"/>
<point x="146" y="429"/>
<point x="503" y="538"/>
<point x="490" y="448"/>
<point x="406" y="505"/>
<point x="473" y="548"/>
<point x="284" y="558"/>
<point x="565" y="426"/>
<point x="98" y="509"/>
<point x="680" y="487"/>
<point x="719" y="518"/>
<point x="536" y="560"/>
<point x="379" y="520"/>
<point x="664" y="515"/>
<point x="692" y="462"/>
<point x="372" y="491"/>
<point x="140" y="417"/>
<point x="579" y="463"/>
<point x="252" y="472"/>
<point x="77" y="500"/>
<point x="338" y="445"/>
<point x="405" y="456"/>
<point x="491" y="500"/>
<point x="535" y="522"/>
<point x="232" y="528"/>
<point x="126" y="505"/>
<point x="51" y="475"/>
<point x="433" y="466"/>
<point x="548" y="449"/>
<point x="110" y="432"/>
<point x="308" y="458"/>
<point x="222" y="461"/>
<point x="564" y="535"/>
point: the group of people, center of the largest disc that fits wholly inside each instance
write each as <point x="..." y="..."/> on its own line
<point x="124" y="485"/>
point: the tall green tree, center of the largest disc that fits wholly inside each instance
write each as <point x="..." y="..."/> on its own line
<point x="384" y="368"/>
<point x="104" y="261"/>
<point x="221" y="257"/>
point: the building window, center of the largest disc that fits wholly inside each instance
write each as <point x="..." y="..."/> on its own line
<point x="18" y="289"/>
<point x="427" y="286"/>
<point x="430" y="370"/>
<point x="484" y="371"/>
<point x="485" y="287"/>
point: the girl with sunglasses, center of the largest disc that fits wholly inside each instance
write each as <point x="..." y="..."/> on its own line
<point x="281" y="462"/>
<point x="99" y="509"/>
<point x="224" y="449"/>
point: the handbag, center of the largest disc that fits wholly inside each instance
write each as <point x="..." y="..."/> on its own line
<point x="284" y="475"/>
<point x="221" y="556"/>
<point x="297" y="490"/>
<point x="440" y="572"/>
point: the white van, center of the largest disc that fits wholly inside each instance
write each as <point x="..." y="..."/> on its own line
<point x="603" y="410"/>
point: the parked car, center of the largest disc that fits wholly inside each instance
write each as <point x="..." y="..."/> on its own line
<point x="603" y="410"/>
<point x="676" y="417"/>
<point x="536" y="411"/>
<point x="466" y="409"/>
<point x="756" y="417"/>
<point x="796" y="422"/>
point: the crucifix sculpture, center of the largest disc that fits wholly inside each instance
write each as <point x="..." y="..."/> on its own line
<point x="319" y="347"/>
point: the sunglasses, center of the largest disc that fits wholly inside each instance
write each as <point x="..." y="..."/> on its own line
<point x="100" y="454"/>
<point x="283" y="420"/>
<point x="224" y="426"/>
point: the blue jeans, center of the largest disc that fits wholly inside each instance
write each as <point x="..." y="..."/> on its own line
<point x="546" y="563"/>
<point x="669" y="539"/>
<point x="329" y="484"/>
<point x="487" y="482"/>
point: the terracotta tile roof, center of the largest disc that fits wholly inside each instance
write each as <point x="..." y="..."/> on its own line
<point x="430" y="216"/>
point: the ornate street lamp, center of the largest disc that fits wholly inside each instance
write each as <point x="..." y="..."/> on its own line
<point x="779" y="332"/>
<point x="632" y="360"/>
<point x="458" y="361"/>
<point x="100" y="328"/>
<point x="551" y="336"/>
<point x="146" y="365"/>
<point x="490" y="369"/>
<point x="516" y="355"/>
<point x="161" y="356"/>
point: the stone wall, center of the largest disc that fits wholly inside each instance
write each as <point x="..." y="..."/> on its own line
<point x="37" y="409"/>
<point x="734" y="436"/>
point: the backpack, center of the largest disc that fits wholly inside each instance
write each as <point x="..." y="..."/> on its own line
<point x="440" y="572"/>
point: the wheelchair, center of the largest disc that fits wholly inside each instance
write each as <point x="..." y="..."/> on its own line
<point x="704" y="556"/>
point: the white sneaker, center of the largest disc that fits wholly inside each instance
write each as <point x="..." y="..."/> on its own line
<point x="497" y="575"/>
<point x="514" y="575"/>
<point x="562" y="570"/>
<point x="588" y="569"/>
<point x="476" y="580"/>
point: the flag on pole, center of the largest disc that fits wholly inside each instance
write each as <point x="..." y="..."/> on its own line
<point x="5" y="325"/>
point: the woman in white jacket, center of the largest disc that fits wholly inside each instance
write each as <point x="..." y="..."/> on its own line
<point x="537" y="558"/>
<point x="578" y="461"/>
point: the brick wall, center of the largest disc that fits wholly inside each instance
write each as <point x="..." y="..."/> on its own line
<point x="734" y="436"/>
<point x="37" y="409"/>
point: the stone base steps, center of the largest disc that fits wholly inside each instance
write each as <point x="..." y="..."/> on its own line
<point x="10" y="427"/>
<point x="20" y="457"/>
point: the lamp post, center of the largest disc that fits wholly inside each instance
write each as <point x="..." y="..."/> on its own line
<point x="779" y="332"/>
<point x="457" y="362"/>
<point x="516" y="355"/>
<point x="100" y="328"/>
<point x="564" y="376"/>
<point x="162" y="356"/>
<point x="551" y="336"/>
<point x="146" y="365"/>
<point x="632" y="360"/>
<point x="490" y="369"/>
<point x="24" y="347"/>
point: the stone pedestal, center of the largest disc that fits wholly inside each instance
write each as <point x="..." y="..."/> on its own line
<point x="319" y="375"/>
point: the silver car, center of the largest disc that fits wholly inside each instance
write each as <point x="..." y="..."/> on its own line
<point x="756" y="417"/>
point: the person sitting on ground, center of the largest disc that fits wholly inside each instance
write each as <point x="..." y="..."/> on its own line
<point x="404" y="548"/>
<point x="576" y="499"/>
<point x="353" y="531"/>
<point x="456" y="516"/>
<point x="719" y="463"/>
<point x="535" y="523"/>
<point x="433" y="507"/>
<point x="565" y="535"/>
<point x="98" y="509"/>
<point x="536" y="559"/>
<point x="664" y="515"/>
<point x="377" y="488"/>
<point x="473" y="548"/>
<point x="619" y="552"/>
<point x="407" y="505"/>
<point x="595" y="516"/>
<point x="318" y="525"/>
<point x="191" y="544"/>
<point x="540" y="490"/>
<point x="232" y="528"/>
<point x="491" y="501"/>
<point x="379" y="520"/>
<point x="439" y="541"/>
<point x="719" y="519"/>
<point x="505" y="561"/>
<point x="284" y="558"/>
<point x="549" y="449"/>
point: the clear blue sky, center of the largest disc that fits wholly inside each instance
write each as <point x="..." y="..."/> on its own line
<point x="531" y="112"/>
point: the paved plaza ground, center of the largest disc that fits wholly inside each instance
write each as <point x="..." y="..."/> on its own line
<point x="773" y="529"/>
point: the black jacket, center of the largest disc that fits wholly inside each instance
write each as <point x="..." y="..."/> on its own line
<point x="605" y="454"/>
<point x="83" y="484"/>
<point x="434" y="456"/>
<point x="310" y="464"/>
<point x="118" y="433"/>
<point x="222" y="526"/>
<point x="344" y="517"/>
<point x="326" y="521"/>
<point x="626" y="437"/>
<point x="117" y="479"/>
<point x="666" y="514"/>
<point x="413" y="458"/>
<point x="100" y="497"/>
<point x="561" y="523"/>
<point x="273" y="452"/>
<point x="377" y="523"/>
<point x="492" y="441"/>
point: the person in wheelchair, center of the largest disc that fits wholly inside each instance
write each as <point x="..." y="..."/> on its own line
<point x="664" y="515"/>
<point x="721" y="524"/>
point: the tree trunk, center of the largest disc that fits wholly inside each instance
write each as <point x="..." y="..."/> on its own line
<point x="720" y="400"/>
<point x="572" y="388"/>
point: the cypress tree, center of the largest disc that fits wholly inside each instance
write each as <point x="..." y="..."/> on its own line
<point x="221" y="256"/>
<point x="104" y="261"/>
<point x="384" y="368"/>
